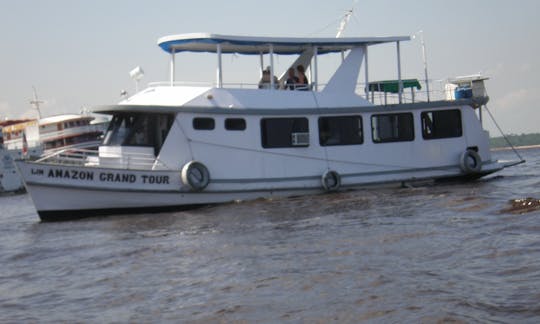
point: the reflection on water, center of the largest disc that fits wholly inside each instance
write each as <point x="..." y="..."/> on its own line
<point x="455" y="252"/>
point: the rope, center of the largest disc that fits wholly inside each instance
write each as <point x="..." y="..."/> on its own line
<point x="325" y="148"/>
<point x="504" y="136"/>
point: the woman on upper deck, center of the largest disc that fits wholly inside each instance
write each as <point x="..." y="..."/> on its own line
<point x="303" y="83"/>
<point x="292" y="80"/>
<point x="266" y="82"/>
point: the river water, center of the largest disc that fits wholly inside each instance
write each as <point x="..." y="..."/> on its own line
<point x="454" y="252"/>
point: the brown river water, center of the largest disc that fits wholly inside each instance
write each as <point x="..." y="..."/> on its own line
<point x="453" y="252"/>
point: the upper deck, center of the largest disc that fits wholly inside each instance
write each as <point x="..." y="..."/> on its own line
<point x="342" y="87"/>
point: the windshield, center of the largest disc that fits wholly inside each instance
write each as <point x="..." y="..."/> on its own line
<point x="138" y="129"/>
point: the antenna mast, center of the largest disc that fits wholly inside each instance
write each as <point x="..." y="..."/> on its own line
<point x="344" y="22"/>
<point x="35" y="102"/>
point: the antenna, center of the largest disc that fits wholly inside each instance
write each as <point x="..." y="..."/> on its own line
<point x="344" y="22"/>
<point x="35" y="102"/>
<point x="424" y="59"/>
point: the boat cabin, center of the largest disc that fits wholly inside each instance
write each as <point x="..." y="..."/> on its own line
<point x="141" y="123"/>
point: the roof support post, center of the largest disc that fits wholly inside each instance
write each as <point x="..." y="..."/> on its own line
<point x="400" y="82"/>
<point x="366" y="70"/>
<point x="271" y="53"/>
<point x="172" y="67"/>
<point x="219" y="76"/>
<point x="315" y="82"/>
<point x="261" y="58"/>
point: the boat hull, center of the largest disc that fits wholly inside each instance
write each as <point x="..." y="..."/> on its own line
<point x="71" y="192"/>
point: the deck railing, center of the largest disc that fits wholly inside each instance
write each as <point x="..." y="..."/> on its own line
<point x="410" y="95"/>
<point x="91" y="158"/>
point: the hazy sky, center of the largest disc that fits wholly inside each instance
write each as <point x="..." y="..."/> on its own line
<point x="78" y="53"/>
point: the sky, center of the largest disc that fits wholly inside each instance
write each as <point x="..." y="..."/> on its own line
<point x="78" y="54"/>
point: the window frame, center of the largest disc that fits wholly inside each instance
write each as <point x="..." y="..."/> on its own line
<point x="228" y="127"/>
<point x="340" y="132"/>
<point x="437" y="133"/>
<point x="394" y="139"/>
<point x="300" y="125"/>
<point x="205" y="119"/>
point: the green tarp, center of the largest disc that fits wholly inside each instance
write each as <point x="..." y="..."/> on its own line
<point x="392" y="86"/>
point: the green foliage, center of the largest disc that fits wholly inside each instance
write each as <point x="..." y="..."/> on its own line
<point x="516" y="140"/>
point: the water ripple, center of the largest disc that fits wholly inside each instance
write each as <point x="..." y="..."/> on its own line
<point x="445" y="253"/>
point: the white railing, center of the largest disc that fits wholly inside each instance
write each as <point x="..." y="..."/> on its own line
<point x="77" y="146"/>
<point x="91" y="158"/>
<point x="128" y="160"/>
<point x="234" y="85"/>
<point x="68" y="156"/>
<point x="409" y="95"/>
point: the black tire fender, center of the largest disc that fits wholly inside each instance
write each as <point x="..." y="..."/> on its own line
<point x="331" y="180"/>
<point x="470" y="162"/>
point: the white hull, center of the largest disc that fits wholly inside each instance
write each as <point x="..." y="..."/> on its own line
<point x="65" y="192"/>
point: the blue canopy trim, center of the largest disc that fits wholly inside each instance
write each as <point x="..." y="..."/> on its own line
<point x="257" y="45"/>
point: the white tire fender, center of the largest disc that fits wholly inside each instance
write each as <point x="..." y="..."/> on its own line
<point x="195" y="175"/>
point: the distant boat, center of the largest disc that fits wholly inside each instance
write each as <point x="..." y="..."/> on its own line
<point x="31" y="138"/>
<point x="173" y="144"/>
<point x="56" y="133"/>
<point x="9" y="178"/>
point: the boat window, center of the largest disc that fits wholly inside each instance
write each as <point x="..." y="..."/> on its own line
<point x="392" y="127"/>
<point x="235" y="124"/>
<point x="138" y="129"/>
<point x="340" y="130"/>
<point x="441" y="124"/>
<point x="202" y="123"/>
<point x="284" y="132"/>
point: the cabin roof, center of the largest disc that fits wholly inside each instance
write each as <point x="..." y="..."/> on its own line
<point x="205" y="42"/>
<point x="63" y="118"/>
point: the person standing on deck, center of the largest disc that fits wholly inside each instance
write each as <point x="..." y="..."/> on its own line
<point x="303" y="83"/>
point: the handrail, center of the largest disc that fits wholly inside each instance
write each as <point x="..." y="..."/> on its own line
<point x="91" y="158"/>
<point x="436" y="91"/>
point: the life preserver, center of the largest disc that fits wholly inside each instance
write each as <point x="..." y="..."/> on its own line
<point x="195" y="175"/>
<point x="470" y="162"/>
<point x="331" y="180"/>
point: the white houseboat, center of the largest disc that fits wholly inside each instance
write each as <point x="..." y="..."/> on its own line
<point x="172" y="145"/>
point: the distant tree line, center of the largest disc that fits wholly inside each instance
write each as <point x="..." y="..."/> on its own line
<point x="516" y="140"/>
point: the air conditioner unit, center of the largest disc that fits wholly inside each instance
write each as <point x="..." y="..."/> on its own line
<point x="300" y="139"/>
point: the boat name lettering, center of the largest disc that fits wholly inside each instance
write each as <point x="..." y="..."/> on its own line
<point x="37" y="172"/>
<point x="103" y="176"/>
<point x="155" y="179"/>
<point x="117" y="177"/>
<point x="70" y="174"/>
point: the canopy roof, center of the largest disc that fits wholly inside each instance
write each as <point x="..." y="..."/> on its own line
<point x="392" y="86"/>
<point x="204" y="42"/>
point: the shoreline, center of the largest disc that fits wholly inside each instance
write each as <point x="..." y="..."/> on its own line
<point x="507" y="148"/>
